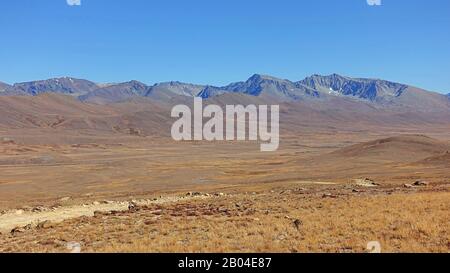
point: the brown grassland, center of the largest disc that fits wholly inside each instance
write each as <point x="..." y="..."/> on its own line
<point x="303" y="198"/>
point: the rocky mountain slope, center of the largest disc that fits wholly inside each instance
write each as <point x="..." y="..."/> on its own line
<point x="368" y="89"/>
<point x="4" y="86"/>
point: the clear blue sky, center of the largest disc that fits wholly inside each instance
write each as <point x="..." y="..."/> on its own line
<point x="220" y="41"/>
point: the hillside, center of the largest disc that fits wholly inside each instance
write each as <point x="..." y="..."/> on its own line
<point x="407" y="148"/>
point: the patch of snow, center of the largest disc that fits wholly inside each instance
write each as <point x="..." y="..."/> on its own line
<point x="333" y="92"/>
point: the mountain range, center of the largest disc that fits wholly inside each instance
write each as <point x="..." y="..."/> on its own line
<point x="314" y="88"/>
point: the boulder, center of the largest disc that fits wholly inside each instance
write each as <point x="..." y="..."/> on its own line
<point x="44" y="225"/>
<point x="366" y="182"/>
<point x="420" y="183"/>
<point x="329" y="195"/>
<point x="19" y="212"/>
<point x="17" y="230"/>
<point x="132" y="206"/>
<point x="38" y="209"/>
<point x="297" y="223"/>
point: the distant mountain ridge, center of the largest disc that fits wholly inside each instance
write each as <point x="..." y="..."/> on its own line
<point x="4" y="86"/>
<point x="315" y="87"/>
<point x="116" y="92"/>
<point x="369" y="89"/>
<point x="66" y="85"/>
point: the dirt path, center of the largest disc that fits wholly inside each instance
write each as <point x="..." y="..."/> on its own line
<point x="20" y="218"/>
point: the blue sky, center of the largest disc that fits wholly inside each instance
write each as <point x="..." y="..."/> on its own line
<point x="221" y="41"/>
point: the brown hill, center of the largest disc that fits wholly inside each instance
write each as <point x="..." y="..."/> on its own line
<point x="409" y="148"/>
<point x="150" y="117"/>
<point x="442" y="159"/>
<point x="59" y="112"/>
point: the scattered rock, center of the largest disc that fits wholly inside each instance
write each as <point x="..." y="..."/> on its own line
<point x="44" y="225"/>
<point x="223" y="211"/>
<point x="17" y="230"/>
<point x="38" y="209"/>
<point x="96" y="203"/>
<point x="408" y="186"/>
<point x="297" y="223"/>
<point x="420" y="183"/>
<point x="64" y="199"/>
<point x="329" y="195"/>
<point x="55" y="206"/>
<point x="132" y="206"/>
<point x="19" y="212"/>
<point x="366" y="182"/>
<point x="98" y="213"/>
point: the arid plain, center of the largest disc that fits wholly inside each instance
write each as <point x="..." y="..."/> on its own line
<point x="110" y="178"/>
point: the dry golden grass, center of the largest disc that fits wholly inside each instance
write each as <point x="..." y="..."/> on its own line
<point x="401" y="220"/>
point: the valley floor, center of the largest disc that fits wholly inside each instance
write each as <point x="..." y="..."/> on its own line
<point x="147" y="195"/>
<point x="286" y="217"/>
